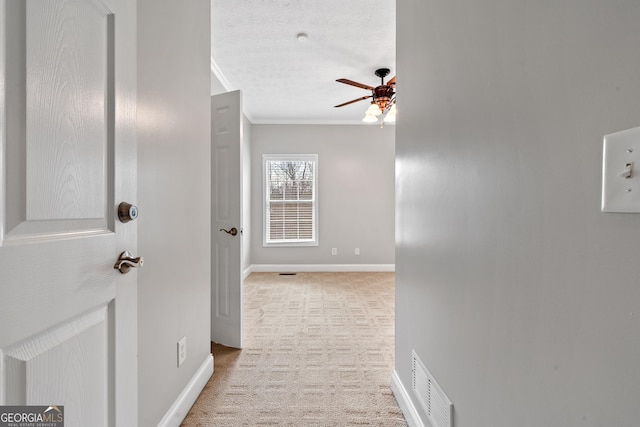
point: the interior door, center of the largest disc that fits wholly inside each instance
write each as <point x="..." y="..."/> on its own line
<point x="68" y="320"/>
<point x="226" y="218"/>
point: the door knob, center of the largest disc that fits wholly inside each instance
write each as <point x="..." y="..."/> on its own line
<point x="233" y="231"/>
<point x="126" y="262"/>
<point x="127" y="212"/>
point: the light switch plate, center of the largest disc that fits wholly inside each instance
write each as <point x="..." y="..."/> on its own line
<point x="621" y="149"/>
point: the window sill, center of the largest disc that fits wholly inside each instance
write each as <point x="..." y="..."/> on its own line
<point x="288" y="244"/>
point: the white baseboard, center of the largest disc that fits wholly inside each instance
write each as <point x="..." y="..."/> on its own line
<point x="330" y="268"/>
<point x="405" y="403"/>
<point x="247" y="271"/>
<point x="178" y="411"/>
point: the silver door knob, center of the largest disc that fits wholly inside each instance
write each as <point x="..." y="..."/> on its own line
<point x="233" y="231"/>
<point x="126" y="262"/>
<point x="127" y="212"/>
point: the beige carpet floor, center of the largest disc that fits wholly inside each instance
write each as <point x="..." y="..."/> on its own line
<point x="318" y="352"/>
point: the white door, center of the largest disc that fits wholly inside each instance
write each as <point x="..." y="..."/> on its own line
<point x="68" y="319"/>
<point x="226" y="219"/>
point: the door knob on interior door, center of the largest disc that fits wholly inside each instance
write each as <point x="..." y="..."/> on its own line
<point x="126" y="262"/>
<point x="233" y="231"/>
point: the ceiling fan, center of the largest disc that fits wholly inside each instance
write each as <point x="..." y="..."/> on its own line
<point x="384" y="96"/>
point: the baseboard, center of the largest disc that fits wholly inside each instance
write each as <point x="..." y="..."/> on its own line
<point x="329" y="268"/>
<point x="406" y="405"/>
<point x="247" y="271"/>
<point x="178" y="411"/>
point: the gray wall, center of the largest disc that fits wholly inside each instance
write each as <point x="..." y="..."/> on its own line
<point x="355" y="190"/>
<point x="173" y="172"/>
<point x="519" y="295"/>
<point x="216" y="86"/>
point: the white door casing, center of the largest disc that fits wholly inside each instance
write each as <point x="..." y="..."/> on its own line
<point x="68" y="320"/>
<point x="226" y="214"/>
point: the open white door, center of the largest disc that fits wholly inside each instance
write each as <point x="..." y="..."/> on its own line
<point x="68" y="320"/>
<point x="226" y="219"/>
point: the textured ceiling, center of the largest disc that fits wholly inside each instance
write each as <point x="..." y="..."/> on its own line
<point x="254" y="48"/>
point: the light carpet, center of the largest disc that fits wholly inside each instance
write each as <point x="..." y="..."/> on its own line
<point x="318" y="351"/>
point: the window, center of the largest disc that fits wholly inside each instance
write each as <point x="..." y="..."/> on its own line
<point x="290" y="200"/>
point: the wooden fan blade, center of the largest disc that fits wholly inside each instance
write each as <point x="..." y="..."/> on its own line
<point x="392" y="82"/>
<point x="354" y="100"/>
<point x="356" y="84"/>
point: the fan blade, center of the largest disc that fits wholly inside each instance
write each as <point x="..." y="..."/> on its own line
<point x="356" y="84"/>
<point x="392" y="82"/>
<point x="354" y="100"/>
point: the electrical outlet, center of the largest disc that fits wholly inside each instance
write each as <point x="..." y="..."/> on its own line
<point x="334" y="251"/>
<point x="182" y="350"/>
<point x="357" y="251"/>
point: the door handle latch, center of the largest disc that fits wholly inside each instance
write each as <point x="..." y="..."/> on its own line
<point x="233" y="231"/>
<point x="126" y="262"/>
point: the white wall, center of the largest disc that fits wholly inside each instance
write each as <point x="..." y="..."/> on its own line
<point x="519" y="295"/>
<point x="174" y="197"/>
<point x="355" y="191"/>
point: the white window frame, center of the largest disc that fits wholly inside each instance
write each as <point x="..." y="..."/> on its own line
<point x="265" y="200"/>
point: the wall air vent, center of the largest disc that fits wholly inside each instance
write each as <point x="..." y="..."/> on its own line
<point x="434" y="402"/>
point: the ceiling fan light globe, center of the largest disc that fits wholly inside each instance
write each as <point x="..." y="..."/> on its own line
<point x="369" y="118"/>
<point x="374" y="110"/>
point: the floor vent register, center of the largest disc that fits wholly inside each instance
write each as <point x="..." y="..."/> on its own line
<point x="434" y="402"/>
